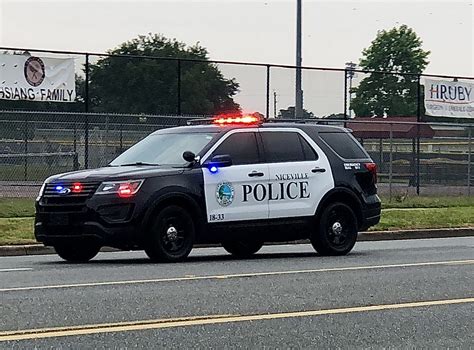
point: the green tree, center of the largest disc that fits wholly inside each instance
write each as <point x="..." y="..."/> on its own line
<point x="135" y="85"/>
<point x="396" y="50"/>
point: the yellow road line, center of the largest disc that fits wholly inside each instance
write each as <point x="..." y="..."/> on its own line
<point x="30" y="334"/>
<point x="238" y="275"/>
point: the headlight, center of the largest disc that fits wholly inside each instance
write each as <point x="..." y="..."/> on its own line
<point x="123" y="189"/>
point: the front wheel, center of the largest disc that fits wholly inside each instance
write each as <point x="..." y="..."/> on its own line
<point x="172" y="235"/>
<point x="77" y="252"/>
<point x="336" y="232"/>
<point x="242" y="249"/>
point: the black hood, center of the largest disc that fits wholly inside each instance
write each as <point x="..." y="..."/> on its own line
<point x="116" y="173"/>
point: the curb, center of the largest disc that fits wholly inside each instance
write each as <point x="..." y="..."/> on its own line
<point x="38" y="249"/>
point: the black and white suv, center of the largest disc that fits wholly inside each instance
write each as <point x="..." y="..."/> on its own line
<point x="235" y="181"/>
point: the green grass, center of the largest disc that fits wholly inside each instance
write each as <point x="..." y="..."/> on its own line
<point x="16" y="207"/>
<point x="20" y="230"/>
<point x="427" y="202"/>
<point x="16" y="231"/>
<point x="35" y="172"/>
<point x="426" y="218"/>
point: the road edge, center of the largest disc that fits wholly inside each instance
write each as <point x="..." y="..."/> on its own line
<point x="38" y="249"/>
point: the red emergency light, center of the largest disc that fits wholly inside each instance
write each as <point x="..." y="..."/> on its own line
<point x="232" y="120"/>
<point x="76" y="187"/>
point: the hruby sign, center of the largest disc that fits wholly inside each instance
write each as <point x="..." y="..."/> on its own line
<point x="449" y="98"/>
<point x="31" y="78"/>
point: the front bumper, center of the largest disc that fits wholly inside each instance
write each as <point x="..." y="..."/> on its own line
<point x="109" y="220"/>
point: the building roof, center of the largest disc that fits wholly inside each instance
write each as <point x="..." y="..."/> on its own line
<point x="377" y="128"/>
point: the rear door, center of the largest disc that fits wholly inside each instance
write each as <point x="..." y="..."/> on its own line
<point x="300" y="174"/>
<point x="237" y="192"/>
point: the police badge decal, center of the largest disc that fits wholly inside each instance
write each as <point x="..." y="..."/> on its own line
<point x="224" y="194"/>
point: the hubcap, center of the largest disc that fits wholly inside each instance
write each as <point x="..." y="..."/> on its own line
<point x="337" y="228"/>
<point x="172" y="234"/>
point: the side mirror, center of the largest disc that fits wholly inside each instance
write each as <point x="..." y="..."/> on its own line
<point x="189" y="156"/>
<point x="219" y="161"/>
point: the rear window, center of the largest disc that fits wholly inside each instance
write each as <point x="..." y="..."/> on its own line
<point x="344" y="145"/>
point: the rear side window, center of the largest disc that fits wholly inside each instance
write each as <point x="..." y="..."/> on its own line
<point x="344" y="145"/>
<point x="309" y="153"/>
<point x="283" y="147"/>
<point x="241" y="147"/>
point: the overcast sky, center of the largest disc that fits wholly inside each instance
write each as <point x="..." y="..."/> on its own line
<point x="334" y="32"/>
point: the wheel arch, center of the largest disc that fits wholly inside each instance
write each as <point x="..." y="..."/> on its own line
<point x="180" y="198"/>
<point x="343" y="195"/>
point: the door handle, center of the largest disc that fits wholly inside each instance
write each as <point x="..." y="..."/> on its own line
<point x="256" y="174"/>
<point x="318" y="170"/>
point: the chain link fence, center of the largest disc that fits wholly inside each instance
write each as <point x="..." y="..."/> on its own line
<point x="415" y="153"/>
<point x="35" y="145"/>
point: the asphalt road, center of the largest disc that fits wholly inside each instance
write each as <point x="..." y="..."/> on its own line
<point x="398" y="294"/>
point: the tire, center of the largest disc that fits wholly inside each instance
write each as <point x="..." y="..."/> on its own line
<point x="77" y="252"/>
<point x="172" y="234"/>
<point x="242" y="249"/>
<point x="336" y="232"/>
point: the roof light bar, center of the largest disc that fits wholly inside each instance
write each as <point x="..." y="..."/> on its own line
<point x="246" y="119"/>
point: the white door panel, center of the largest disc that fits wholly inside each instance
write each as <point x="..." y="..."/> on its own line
<point x="230" y="193"/>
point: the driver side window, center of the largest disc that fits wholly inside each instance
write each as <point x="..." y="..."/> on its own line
<point x="241" y="147"/>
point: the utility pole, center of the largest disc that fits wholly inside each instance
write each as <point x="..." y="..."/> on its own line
<point x="350" y="66"/>
<point x="298" y="91"/>
<point x="274" y="104"/>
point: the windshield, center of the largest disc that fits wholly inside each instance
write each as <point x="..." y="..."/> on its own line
<point x="163" y="149"/>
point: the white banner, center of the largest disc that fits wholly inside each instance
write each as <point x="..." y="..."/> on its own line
<point x="32" y="78"/>
<point x="449" y="98"/>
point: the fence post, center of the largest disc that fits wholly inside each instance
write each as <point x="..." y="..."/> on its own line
<point x="390" y="166"/>
<point x="469" y="162"/>
<point x="345" y="96"/>
<point x="267" y="106"/>
<point x="418" y="120"/>
<point x="178" y="72"/>
<point x="86" y="121"/>
<point x="76" y="159"/>
<point x="25" y="132"/>
<point x="121" y="138"/>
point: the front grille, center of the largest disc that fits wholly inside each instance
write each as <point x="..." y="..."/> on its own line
<point x="88" y="189"/>
<point x="71" y="202"/>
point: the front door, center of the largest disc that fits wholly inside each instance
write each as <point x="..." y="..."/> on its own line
<point x="237" y="192"/>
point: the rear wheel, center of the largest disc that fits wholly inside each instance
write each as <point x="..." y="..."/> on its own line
<point x="172" y="235"/>
<point x="77" y="252"/>
<point x="336" y="231"/>
<point x="242" y="249"/>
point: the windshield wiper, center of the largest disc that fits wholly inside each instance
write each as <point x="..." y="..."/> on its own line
<point x="139" y="163"/>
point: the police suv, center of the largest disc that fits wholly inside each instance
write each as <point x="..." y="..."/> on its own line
<point x="237" y="181"/>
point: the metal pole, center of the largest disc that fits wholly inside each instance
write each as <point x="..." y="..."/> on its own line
<point x="75" y="160"/>
<point x="106" y="153"/>
<point x="25" y="175"/>
<point x="345" y="96"/>
<point x="86" y="121"/>
<point x="121" y="138"/>
<point x="298" y="91"/>
<point x="349" y="71"/>
<point x="390" y="166"/>
<point x="469" y="163"/>
<point x="418" y="119"/>
<point x="267" y="110"/>
<point x="178" y="110"/>
<point x="274" y="104"/>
